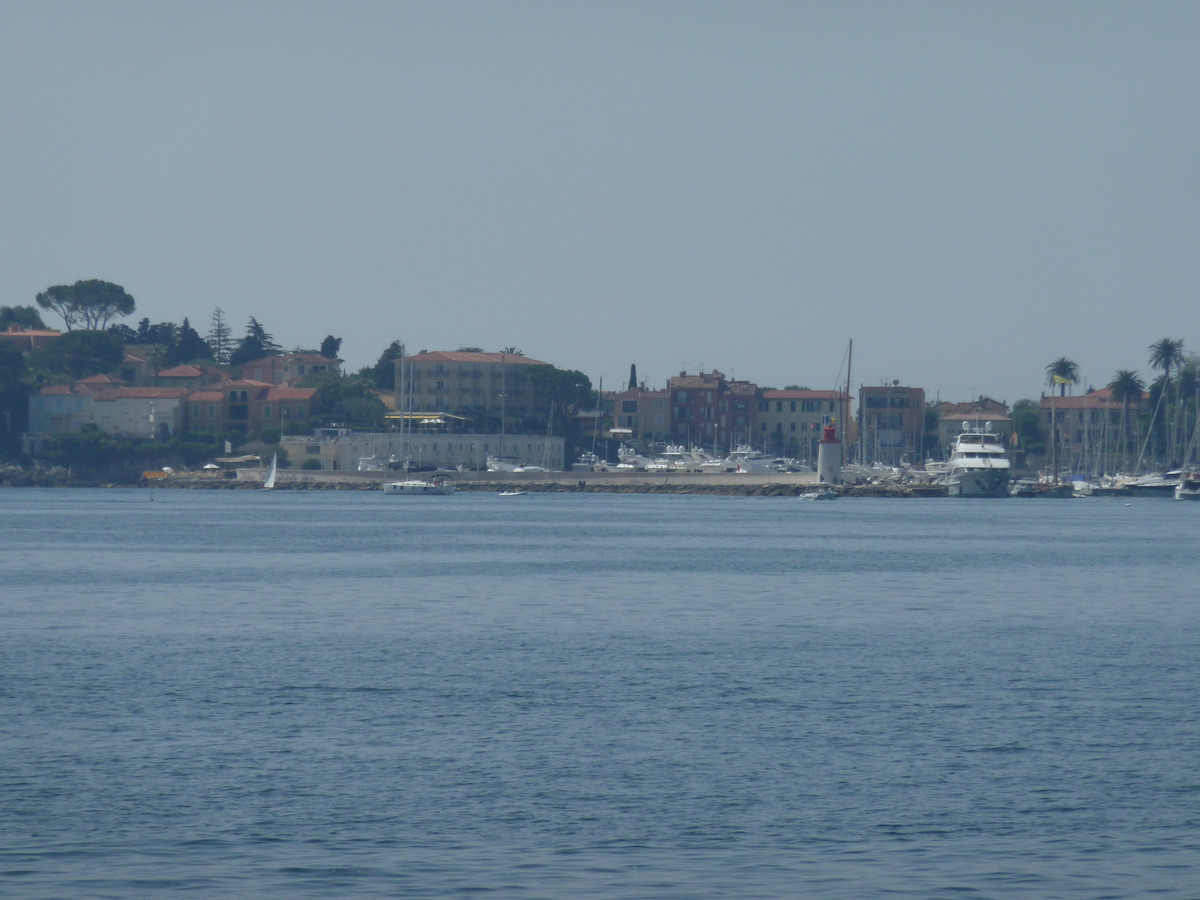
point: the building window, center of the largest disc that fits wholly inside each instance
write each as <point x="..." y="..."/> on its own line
<point x="659" y="404"/>
<point x="299" y="410"/>
<point x="286" y="412"/>
<point x="300" y="369"/>
<point x="764" y="426"/>
<point x="793" y="426"/>
<point x="212" y="410"/>
<point x="233" y="396"/>
<point x="267" y="410"/>
<point x="778" y="406"/>
<point x="312" y="450"/>
<point x="793" y="406"/>
<point x="764" y="405"/>
<point x="195" y="410"/>
<point x="628" y="406"/>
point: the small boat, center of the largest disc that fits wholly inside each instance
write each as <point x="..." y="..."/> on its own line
<point x="513" y="493"/>
<point x="822" y="494"/>
<point x="437" y="485"/>
<point x="1189" y="485"/>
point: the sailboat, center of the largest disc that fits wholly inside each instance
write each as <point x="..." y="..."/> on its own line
<point x="269" y="484"/>
<point x="438" y="484"/>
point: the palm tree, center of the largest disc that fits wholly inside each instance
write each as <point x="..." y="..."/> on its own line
<point x="1126" y="387"/>
<point x="1166" y="355"/>
<point x="512" y="351"/>
<point x="1062" y="372"/>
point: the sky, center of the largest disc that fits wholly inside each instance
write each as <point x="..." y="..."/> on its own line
<point x="968" y="191"/>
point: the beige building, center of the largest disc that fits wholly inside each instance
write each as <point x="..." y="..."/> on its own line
<point x="645" y="413"/>
<point x="470" y="384"/>
<point x="790" y="422"/>
<point x="892" y="419"/>
<point x="288" y="368"/>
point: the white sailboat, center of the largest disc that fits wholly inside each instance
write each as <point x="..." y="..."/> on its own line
<point x="269" y="484"/>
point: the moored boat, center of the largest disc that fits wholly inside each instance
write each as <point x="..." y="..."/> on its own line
<point x="979" y="467"/>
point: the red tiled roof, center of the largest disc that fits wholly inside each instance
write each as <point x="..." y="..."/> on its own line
<point x="460" y="356"/>
<point x="207" y="397"/>
<point x="100" y="379"/>
<point x="187" y="371"/>
<point x="58" y="390"/>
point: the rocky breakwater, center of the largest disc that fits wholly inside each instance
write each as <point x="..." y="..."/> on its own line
<point x="36" y="475"/>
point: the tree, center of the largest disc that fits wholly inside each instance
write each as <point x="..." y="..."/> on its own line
<point x="633" y="376"/>
<point x="383" y="374"/>
<point x="158" y="358"/>
<point x="255" y="345"/>
<point x="220" y="337"/>
<point x="1062" y="372"/>
<point x="571" y="392"/>
<point x="330" y="346"/>
<point x="794" y="387"/>
<point x="1126" y="388"/>
<point x="1025" y="424"/>
<point x="92" y="303"/>
<point x="78" y="354"/>
<point x="1166" y="354"/>
<point x="469" y="350"/>
<point x="189" y="346"/>
<point x="513" y="351"/>
<point x="23" y="316"/>
<point x="346" y="399"/>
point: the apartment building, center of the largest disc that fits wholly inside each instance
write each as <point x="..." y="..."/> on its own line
<point x="709" y="410"/>
<point x="892" y="423"/>
<point x="645" y="413"/>
<point x="471" y="384"/>
<point x="248" y="406"/>
<point x="288" y="368"/>
<point x="790" y="422"/>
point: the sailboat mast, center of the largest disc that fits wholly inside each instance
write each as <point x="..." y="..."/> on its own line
<point x="846" y="414"/>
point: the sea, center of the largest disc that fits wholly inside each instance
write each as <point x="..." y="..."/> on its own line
<point x="289" y="694"/>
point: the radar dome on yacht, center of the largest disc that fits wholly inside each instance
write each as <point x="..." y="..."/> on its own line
<point x="988" y="427"/>
<point x="966" y="426"/>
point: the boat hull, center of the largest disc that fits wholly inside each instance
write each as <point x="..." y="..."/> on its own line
<point x="978" y="483"/>
<point x="418" y="488"/>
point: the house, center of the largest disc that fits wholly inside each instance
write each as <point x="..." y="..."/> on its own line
<point x="471" y="384"/>
<point x="891" y="422"/>
<point x="61" y="407"/>
<point x="27" y="340"/>
<point x="424" y="450"/>
<point x="248" y="406"/>
<point x="288" y="368"/>
<point x="790" y="422"/>
<point x="141" y="412"/>
<point x="644" y="413"/>
<point x="709" y="410"/>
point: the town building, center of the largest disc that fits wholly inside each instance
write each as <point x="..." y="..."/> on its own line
<point x="790" y="422"/>
<point x="288" y="368"/>
<point x="475" y="385"/>
<point x="248" y="406"/>
<point x="710" y="411"/>
<point x="1091" y="422"/>
<point x="431" y="450"/>
<point x="642" y="414"/>
<point x="891" y="423"/>
<point x="141" y="412"/>
<point x="28" y="339"/>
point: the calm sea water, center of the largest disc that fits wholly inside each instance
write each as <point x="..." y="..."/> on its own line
<point x="238" y="694"/>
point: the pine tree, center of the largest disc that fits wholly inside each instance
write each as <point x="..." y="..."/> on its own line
<point x="220" y="337"/>
<point x="189" y="346"/>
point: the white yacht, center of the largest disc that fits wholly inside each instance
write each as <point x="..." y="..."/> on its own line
<point x="979" y="467"/>
<point x="437" y="485"/>
<point x="1189" y="485"/>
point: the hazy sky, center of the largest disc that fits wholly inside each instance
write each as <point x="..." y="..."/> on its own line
<point x="967" y="190"/>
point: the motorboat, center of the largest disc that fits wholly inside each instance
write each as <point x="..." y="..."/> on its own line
<point x="819" y="494"/>
<point x="1189" y="485"/>
<point x="437" y="485"/>
<point x="979" y="467"/>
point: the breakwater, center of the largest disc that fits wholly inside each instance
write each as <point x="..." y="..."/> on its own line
<point x="745" y="485"/>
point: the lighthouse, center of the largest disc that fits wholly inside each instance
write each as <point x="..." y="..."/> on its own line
<point x="829" y="457"/>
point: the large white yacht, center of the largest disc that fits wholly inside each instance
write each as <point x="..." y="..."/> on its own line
<point x="979" y="466"/>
